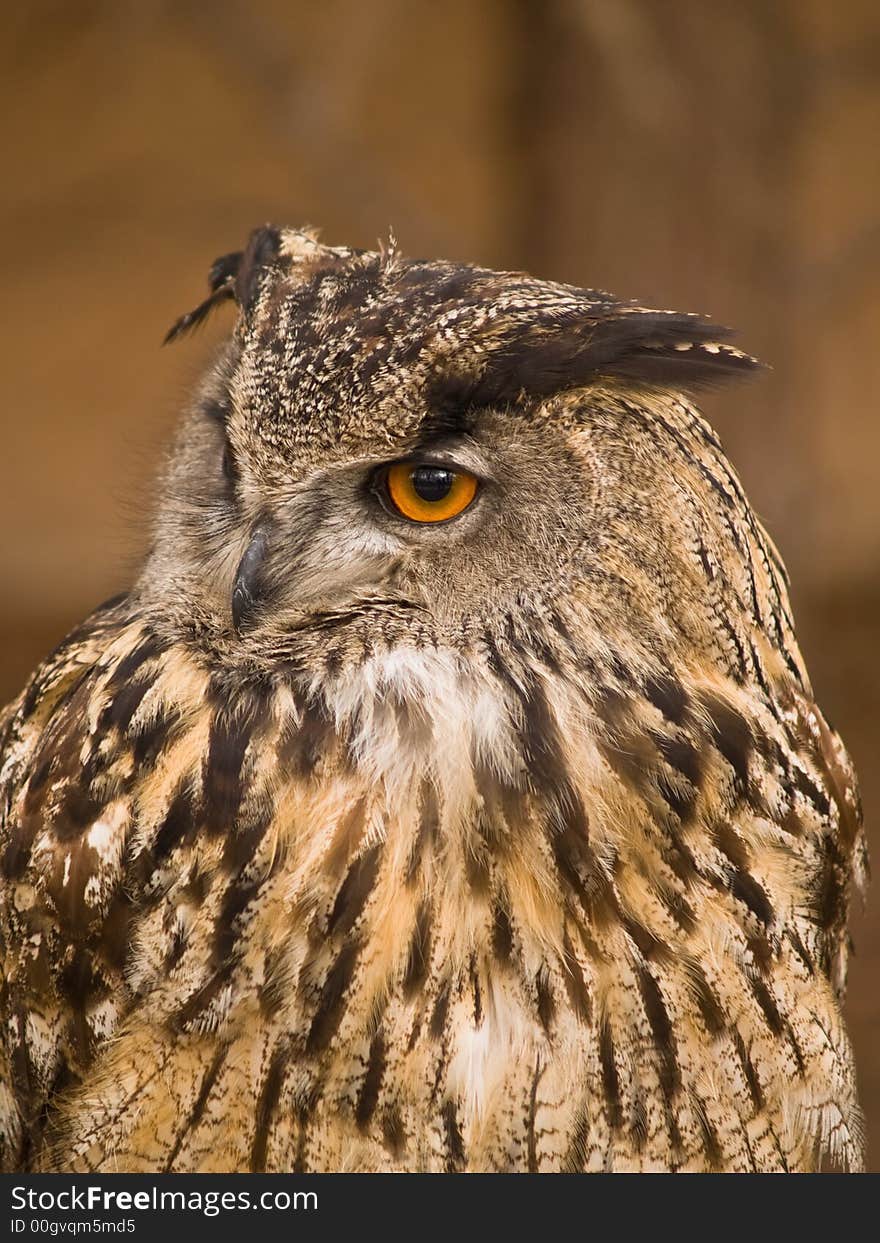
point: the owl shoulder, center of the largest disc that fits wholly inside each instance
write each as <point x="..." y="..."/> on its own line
<point x="63" y="909"/>
<point x="824" y="790"/>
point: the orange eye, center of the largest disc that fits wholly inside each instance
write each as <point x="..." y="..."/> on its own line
<point x="425" y="493"/>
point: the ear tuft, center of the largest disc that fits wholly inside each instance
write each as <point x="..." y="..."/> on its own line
<point x="620" y="341"/>
<point x="668" y="348"/>
<point x="238" y="275"/>
<point x="259" y="259"/>
<point x="224" y="270"/>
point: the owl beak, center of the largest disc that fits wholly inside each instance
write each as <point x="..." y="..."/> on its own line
<point x="247" y="590"/>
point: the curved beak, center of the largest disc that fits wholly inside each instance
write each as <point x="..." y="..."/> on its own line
<point x="249" y="589"/>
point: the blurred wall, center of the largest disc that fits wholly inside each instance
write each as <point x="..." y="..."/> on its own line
<point x="694" y="153"/>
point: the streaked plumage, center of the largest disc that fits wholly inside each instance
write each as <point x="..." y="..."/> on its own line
<point x="518" y="843"/>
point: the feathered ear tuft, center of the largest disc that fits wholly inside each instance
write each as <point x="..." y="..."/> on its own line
<point x="259" y="260"/>
<point x="236" y="276"/>
<point x="668" y="348"/>
<point x="617" y="340"/>
<point x="221" y="281"/>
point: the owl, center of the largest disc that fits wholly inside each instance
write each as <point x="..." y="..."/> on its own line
<point x="448" y="793"/>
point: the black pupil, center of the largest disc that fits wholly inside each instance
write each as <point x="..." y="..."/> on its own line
<point x="432" y="483"/>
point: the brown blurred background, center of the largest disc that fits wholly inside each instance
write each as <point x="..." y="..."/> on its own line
<point x="697" y="154"/>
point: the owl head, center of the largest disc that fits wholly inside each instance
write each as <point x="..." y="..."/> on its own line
<point x="397" y="450"/>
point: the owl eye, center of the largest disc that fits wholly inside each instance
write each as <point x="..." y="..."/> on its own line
<point x="428" y="493"/>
